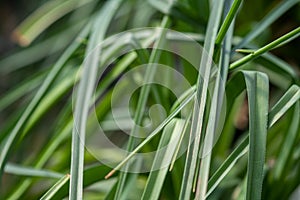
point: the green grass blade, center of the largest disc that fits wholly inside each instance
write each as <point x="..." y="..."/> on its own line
<point x="277" y="65"/>
<point x="53" y="190"/>
<point x="242" y="189"/>
<point x="258" y="98"/>
<point x="223" y="65"/>
<point x="277" y="12"/>
<point x="228" y="20"/>
<point x="217" y="103"/>
<point x="264" y="49"/>
<point x="58" y="138"/>
<point x="163" y="6"/>
<point x="84" y="95"/>
<point x="182" y="141"/>
<point x="141" y="105"/>
<point x="34" y="53"/>
<point x="287" y="100"/>
<point x="200" y="102"/>
<point x="21" y="123"/>
<point x="227" y="165"/>
<point x="52" y="97"/>
<point x="202" y="164"/>
<point x="172" y="8"/>
<point x="244" y="50"/>
<point x="288" y="144"/>
<point x="154" y="133"/>
<point x="19" y="91"/>
<point x="274" y="63"/>
<point x="170" y="137"/>
<point x="30" y="172"/>
<point x="63" y="134"/>
<point x="89" y="179"/>
<point x="43" y="17"/>
<point x="274" y="115"/>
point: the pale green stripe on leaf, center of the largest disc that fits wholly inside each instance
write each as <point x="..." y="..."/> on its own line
<point x="258" y="97"/>
<point x="165" y="151"/>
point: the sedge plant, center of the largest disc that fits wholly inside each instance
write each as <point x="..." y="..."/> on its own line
<point x="232" y="134"/>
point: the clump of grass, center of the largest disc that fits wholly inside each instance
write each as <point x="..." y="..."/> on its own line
<point x="252" y="163"/>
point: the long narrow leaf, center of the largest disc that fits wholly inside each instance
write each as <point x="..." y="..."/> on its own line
<point x="258" y="98"/>
<point x="29" y="171"/>
<point x="268" y="47"/>
<point x="141" y="105"/>
<point x="89" y="178"/>
<point x="86" y="88"/>
<point x="53" y="190"/>
<point x="170" y="138"/>
<point x="272" y="16"/>
<point x="21" y="123"/>
<point x="200" y="102"/>
<point x="227" y="22"/>
<point x="276" y="112"/>
<point x="43" y="18"/>
<point x="288" y="144"/>
<point x="217" y="100"/>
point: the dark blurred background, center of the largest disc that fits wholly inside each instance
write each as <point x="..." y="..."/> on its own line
<point x="12" y="12"/>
